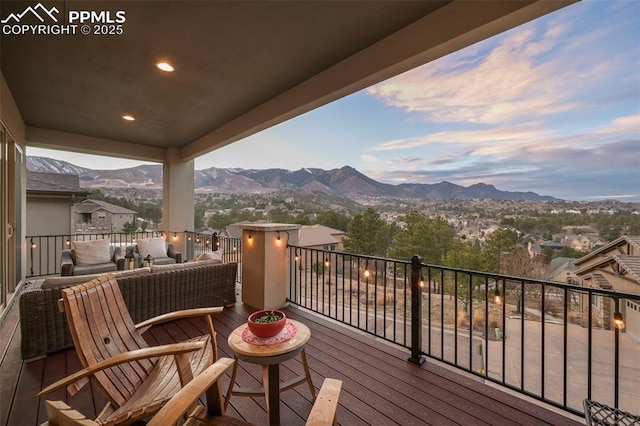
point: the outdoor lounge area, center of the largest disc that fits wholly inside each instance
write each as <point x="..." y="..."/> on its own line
<point x="381" y="387"/>
<point x="526" y="371"/>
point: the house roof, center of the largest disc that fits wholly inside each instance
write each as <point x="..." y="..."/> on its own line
<point x="240" y="67"/>
<point x="631" y="264"/>
<point x="625" y="239"/>
<point x="552" y="244"/>
<point x="89" y="206"/>
<point x="601" y="281"/>
<point x="560" y="264"/>
<point x="54" y="183"/>
<point x="234" y="230"/>
<point x="317" y="235"/>
<point x="608" y="255"/>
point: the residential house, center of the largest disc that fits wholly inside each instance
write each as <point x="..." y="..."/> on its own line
<point x="50" y="200"/>
<point x="552" y="245"/>
<point x="97" y="216"/>
<point x="581" y="242"/>
<point x="321" y="237"/>
<point x="562" y="270"/>
<point x="533" y="249"/>
<point x="615" y="266"/>
<point x="234" y="230"/>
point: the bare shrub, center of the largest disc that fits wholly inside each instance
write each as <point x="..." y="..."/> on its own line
<point x="553" y="307"/>
<point x="478" y="318"/>
<point x="463" y="320"/>
<point x="494" y="321"/>
<point x="384" y="297"/>
<point x="575" y="318"/>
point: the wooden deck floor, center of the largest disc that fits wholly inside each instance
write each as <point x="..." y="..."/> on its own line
<point x="380" y="386"/>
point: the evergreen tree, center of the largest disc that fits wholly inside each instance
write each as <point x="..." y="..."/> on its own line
<point x="333" y="220"/>
<point x="198" y="220"/>
<point x="464" y="255"/>
<point x="128" y="228"/>
<point x="499" y="244"/>
<point x="428" y="237"/>
<point x="362" y="232"/>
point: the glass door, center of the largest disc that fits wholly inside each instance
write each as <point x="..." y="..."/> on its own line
<point x="3" y="220"/>
<point x="16" y="239"/>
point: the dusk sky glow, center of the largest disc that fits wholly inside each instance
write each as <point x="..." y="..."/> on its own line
<point x="552" y="106"/>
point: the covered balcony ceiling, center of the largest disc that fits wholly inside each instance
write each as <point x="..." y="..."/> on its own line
<point x="240" y="67"/>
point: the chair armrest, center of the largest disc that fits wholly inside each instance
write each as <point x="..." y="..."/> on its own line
<point x="118" y="258"/>
<point x="125" y="357"/>
<point x="323" y="412"/>
<point x="182" y="401"/>
<point x="66" y="263"/>
<point x="185" y="313"/>
<point x="171" y="252"/>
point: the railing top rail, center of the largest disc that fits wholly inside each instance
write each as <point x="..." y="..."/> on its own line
<point x="93" y="234"/>
<point x="383" y="259"/>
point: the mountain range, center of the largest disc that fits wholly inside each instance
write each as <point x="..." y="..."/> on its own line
<point x="345" y="181"/>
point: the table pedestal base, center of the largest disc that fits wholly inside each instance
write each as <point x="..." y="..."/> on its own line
<point x="271" y="386"/>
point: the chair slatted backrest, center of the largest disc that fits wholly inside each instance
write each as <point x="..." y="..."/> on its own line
<point x="101" y="327"/>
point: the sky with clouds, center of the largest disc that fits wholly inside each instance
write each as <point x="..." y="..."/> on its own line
<point x="552" y="106"/>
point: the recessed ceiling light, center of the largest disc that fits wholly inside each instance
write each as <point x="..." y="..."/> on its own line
<point x="128" y="117"/>
<point x="165" y="66"/>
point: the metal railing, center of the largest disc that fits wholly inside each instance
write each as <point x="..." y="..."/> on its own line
<point x="550" y="341"/>
<point x="44" y="251"/>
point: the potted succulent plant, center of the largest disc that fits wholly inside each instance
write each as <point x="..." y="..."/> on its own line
<point x="266" y="322"/>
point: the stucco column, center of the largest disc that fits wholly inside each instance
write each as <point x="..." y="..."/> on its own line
<point x="265" y="264"/>
<point x="178" y="208"/>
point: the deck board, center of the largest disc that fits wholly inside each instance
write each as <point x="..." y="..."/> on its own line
<point x="379" y="386"/>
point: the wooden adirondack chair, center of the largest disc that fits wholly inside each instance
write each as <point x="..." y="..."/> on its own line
<point x="323" y="412"/>
<point x="137" y="380"/>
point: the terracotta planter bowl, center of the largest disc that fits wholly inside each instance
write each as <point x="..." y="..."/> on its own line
<point x="265" y="330"/>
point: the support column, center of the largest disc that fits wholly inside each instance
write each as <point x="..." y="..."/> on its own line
<point x="265" y="265"/>
<point x="178" y="206"/>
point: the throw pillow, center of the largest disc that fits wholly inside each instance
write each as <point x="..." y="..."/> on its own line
<point x="210" y="256"/>
<point x="92" y="252"/>
<point x="156" y="247"/>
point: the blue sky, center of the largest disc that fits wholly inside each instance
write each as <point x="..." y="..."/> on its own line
<point x="552" y="106"/>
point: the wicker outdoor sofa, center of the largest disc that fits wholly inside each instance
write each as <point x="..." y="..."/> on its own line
<point x="147" y="292"/>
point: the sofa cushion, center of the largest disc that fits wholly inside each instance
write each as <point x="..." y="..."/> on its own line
<point x="164" y="261"/>
<point x="95" y="268"/>
<point x="156" y="247"/>
<point x="132" y="273"/>
<point x="181" y="266"/>
<point x="91" y="252"/>
<point x="62" y="282"/>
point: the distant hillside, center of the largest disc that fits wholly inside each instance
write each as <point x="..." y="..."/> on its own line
<point x="49" y="165"/>
<point x="345" y="182"/>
